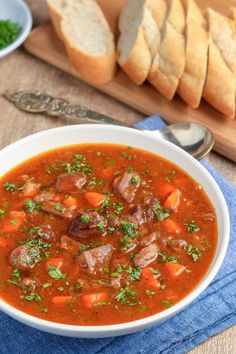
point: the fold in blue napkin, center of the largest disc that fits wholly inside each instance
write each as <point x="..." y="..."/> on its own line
<point x="211" y="313"/>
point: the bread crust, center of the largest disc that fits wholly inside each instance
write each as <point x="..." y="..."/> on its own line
<point x="168" y="66"/>
<point x="192" y="82"/>
<point x="95" y="69"/>
<point x="139" y="61"/>
<point x="219" y="89"/>
<point x="56" y="18"/>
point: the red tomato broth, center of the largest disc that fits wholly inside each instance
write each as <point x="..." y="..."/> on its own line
<point x="154" y="171"/>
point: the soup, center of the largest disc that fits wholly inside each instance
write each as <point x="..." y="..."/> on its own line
<point x="98" y="234"/>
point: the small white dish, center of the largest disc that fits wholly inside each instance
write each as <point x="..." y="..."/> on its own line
<point x="18" y="12"/>
<point x="37" y="143"/>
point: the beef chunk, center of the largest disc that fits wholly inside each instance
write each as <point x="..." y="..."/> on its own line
<point x="113" y="221"/>
<point x="46" y="233"/>
<point x="127" y="185"/>
<point x="95" y="260"/>
<point x="24" y="258"/>
<point x="143" y="212"/>
<point x="147" y="240"/>
<point x="70" y="245"/>
<point x="146" y="256"/>
<point x="44" y="196"/>
<point x="29" y="284"/>
<point x="57" y="209"/>
<point x="83" y="228"/>
<point x="70" y="182"/>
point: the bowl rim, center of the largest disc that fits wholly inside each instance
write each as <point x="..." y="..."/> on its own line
<point x="25" y="31"/>
<point x="116" y="329"/>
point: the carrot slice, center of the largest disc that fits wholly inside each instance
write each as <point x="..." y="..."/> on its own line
<point x="152" y="285"/>
<point x="70" y="201"/>
<point x="173" y="200"/>
<point x="171" y="226"/>
<point x="95" y="199"/>
<point x="147" y="274"/>
<point x="90" y="300"/>
<point x="61" y="300"/>
<point x="165" y="189"/>
<point x="4" y="242"/>
<point x="55" y="262"/>
<point x="174" y="269"/>
<point x="15" y="222"/>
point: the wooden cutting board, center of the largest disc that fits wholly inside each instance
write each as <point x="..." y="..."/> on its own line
<point x="44" y="44"/>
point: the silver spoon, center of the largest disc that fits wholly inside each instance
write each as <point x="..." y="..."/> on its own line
<point x="194" y="138"/>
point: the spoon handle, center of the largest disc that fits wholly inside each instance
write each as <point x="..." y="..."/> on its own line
<point x="41" y="102"/>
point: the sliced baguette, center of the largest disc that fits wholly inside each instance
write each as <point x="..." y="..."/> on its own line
<point x="168" y="65"/>
<point x="192" y="82"/>
<point x="89" y="42"/>
<point x="133" y="52"/>
<point x="57" y="9"/>
<point x="220" y="83"/>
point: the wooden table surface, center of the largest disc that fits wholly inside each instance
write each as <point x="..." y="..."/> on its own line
<point x="19" y="70"/>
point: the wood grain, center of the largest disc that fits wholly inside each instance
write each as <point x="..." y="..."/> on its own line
<point x="44" y="44"/>
<point x="20" y="70"/>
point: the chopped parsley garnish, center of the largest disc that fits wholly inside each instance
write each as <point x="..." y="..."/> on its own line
<point x="46" y="285"/>
<point x="14" y="222"/>
<point x="60" y="208"/>
<point x="2" y="213"/>
<point x="134" y="273"/>
<point x="145" y="171"/>
<point x="83" y="248"/>
<point x="160" y="212"/>
<point x="127" y="296"/>
<point x="15" y="277"/>
<point x="110" y="162"/>
<point x="149" y="292"/>
<point x="31" y="206"/>
<point x="129" y="229"/>
<point x="165" y="258"/>
<point x="119" y="270"/>
<point x="130" y="169"/>
<point x="77" y="287"/>
<point x="102" y="303"/>
<point x="60" y="288"/>
<point x="101" y="226"/>
<point x="194" y="252"/>
<point x="92" y="182"/>
<point x="85" y="217"/>
<point x="135" y="180"/>
<point x="11" y="187"/>
<point x="156" y="272"/>
<point x="162" y="286"/>
<point x="167" y="303"/>
<point x="118" y="207"/>
<point x="32" y="297"/>
<point x="55" y="273"/>
<point x="192" y="227"/>
<point x="52" y="168"/>
<point x="127" y="156"/>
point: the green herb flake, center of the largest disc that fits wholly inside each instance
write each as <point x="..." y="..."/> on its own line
<point x="101" y="226"/>
<point x="160" y="212"/>
<point x="156" y="272"/>
<point x="55" y="273"/>
<point x="162" y="286"/>
<point x="60" y="208"/>
<point x="32" y="297"/>
<point x="192" y="227"/>
<point x="31" y="206"/>
<point x="14" y="222"/>
<point x="135" y="180"/>
<point x="92" y="182"/>
<point x="9" y="31"/>
<point x="46" y="285"/>
<point x="60" y="288"/>
<point x="2" y="213"/>
<point x="194" y="252"/>
<point x="129" y="229"/>
<point x="101" y="303"/>
<point x="134" y="273"/>
<point x="167" y="303"/>
<point x="149" y="292"/>
<point x="10" y="187"/>
<point x="130" y="169"/>
<point x="85" y="217"/>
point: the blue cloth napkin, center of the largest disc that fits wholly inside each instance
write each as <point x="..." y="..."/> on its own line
<point x="211" y="313"/>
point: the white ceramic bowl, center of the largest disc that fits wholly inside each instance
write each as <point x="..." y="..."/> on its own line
<point x="18" y="12"/>
<point x="76" y="134"/>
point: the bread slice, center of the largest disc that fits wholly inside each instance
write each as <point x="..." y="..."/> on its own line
<point x="57" y="9"/>
<point x="220" y="83"/>
<point x="133" y="52"/>
<point x="168" y="65"/>
<point x="89" y="41"/>
<point x="192" y="82"/>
